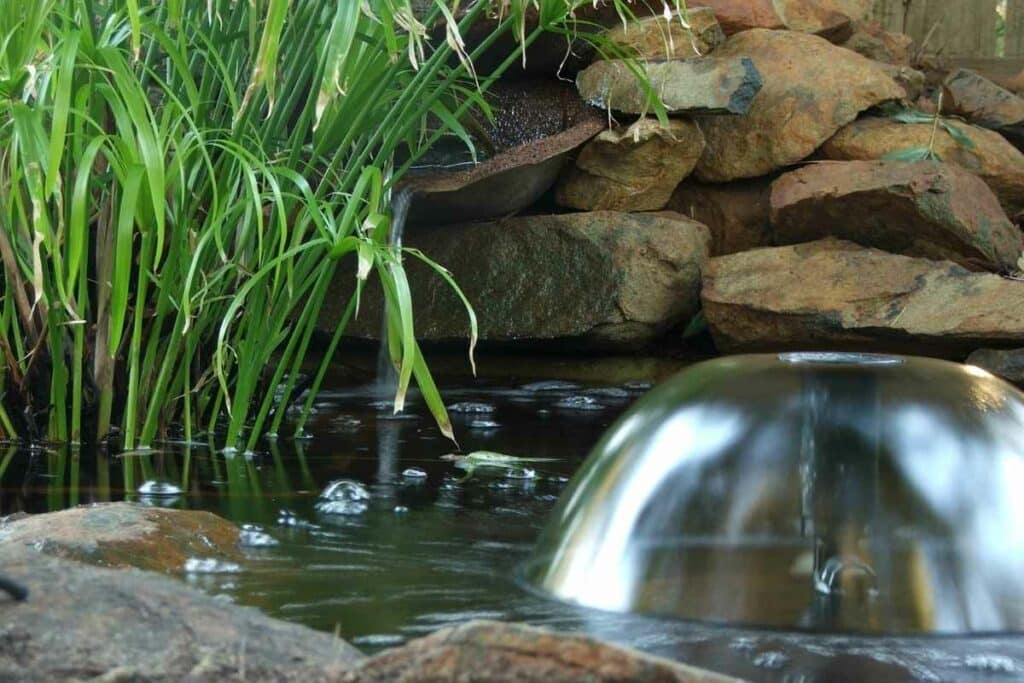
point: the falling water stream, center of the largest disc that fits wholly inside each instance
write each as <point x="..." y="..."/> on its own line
<point x="387" y="377"/>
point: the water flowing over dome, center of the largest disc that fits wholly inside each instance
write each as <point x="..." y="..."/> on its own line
<point x="812" y="491"/>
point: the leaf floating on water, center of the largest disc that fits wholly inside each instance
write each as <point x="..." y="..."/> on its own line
<point x="489" y="460"/>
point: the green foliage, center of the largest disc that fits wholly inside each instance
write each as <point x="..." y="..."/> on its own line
<point x="907" y="115"/>
<point x="180" y="182"/>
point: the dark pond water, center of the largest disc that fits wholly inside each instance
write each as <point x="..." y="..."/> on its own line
<point x="423" y="552"/>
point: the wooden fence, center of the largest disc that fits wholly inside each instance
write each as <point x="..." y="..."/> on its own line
<point x="957" y="28"/>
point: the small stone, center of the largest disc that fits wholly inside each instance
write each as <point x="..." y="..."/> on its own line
<point x="705" y="84"/>
<point x="923" y="208"/>
<point x="635" y="168"/>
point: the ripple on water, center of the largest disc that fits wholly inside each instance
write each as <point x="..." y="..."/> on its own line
<point x="991" y="663"/>
<point x="471" y="408"/>
<point x="550" y="385"/>
<point x="579" y="402"/>
<point x="209" y="565"/>
<point x="483" y="425"/>
<point x="253" y="536"/>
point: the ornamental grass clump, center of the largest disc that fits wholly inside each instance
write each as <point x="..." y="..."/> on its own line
<point x="180" y="181"/>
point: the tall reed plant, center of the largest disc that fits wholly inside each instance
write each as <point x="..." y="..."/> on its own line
<point x="180" y="181"/>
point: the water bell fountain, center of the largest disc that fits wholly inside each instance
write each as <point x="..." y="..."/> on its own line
<point x="824" y="492"/>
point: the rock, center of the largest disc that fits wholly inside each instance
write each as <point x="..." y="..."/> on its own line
<point x="831" y="294"/>
<point x="491" y="651"/>
<point x="634" y="168"/>
<point x="88" y="623"/>
<point x="1016" y="83"/>
<point x="742" y="15"/>
<point x="736" y="213"/>
<point x="1005" y="363"/>
<point x="603" y="279"/>
<point x="125" y="535"/>
<point x="871" y="40"/>
<point x="922" y="208"/>
<point x="536" y="125"/>
<point x="658" y="38"/>
<point x="992" y="158"/>
<point x="981" y="101"/>
<point x="911" y="80"/>
<point x="821" y="17"/>
<point x="704" y="84"/>
<point x="811" y="89"/>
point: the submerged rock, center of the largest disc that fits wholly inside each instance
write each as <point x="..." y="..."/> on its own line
<point x="990" y="156"/>
<point x="126" y="535"/>
<point x="1006" y="363"/>
<point x="634" y="168"/>
<point x="601" y="279"/>
<point x="87" y="623"/>
<point x="811" y="89"/>
<point x="832" y="294"/>
<point x="661" y="38"/>
<point x="736" y="213"/>
<point x="507" y="653"/>
<point x="704" y="84"/>
<point x="922" y="208"/>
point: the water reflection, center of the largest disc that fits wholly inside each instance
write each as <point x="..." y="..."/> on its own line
<point x="822" y="492"/>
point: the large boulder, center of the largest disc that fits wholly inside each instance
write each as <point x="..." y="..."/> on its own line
<point x="87" y="623"/>
<point x="832" y="294"/>
<point x="602" y="279"/>
<point x="703" y="84"/>
<point x="990" y="156"/>
<point x="923" y="208"/>
<point x="830" y="18"/>
<point x="667" y="38"/>
<point x="634" y="168"/>
<point x="737" y="213"/>
<point x="515" y="653"/>
<point x="811" y="89"/>
<point x="125" y="535"/>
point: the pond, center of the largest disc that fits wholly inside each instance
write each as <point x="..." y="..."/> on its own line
<point x="427" y="549"/>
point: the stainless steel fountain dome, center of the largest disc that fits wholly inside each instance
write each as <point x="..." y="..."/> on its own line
<point x="821" y="491"/>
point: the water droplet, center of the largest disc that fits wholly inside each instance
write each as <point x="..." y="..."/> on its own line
<point x="400" y="510"/>
<point x="196" y="565"/>
<point x="770" y="659"/>
<point x="483" y="424"/>
<point x="343" y="497"/>
<point x="520" y="473"/>
<point x="992" y="663"/>
<point x="414" y="473"/>
<point x="252" y="536"/>
<point x="159" y="489"/>
<point x="550" y="385"/>
<point x="471" y="408"/>
<point x="579" y="403"/>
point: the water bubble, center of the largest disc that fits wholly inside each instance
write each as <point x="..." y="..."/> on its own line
<point x="483" y="424"/>
<point x="414" y="473"/>
<point x="252" y="536"/>
<point x="400" y="510"/>
<point x="770" y="659"/>
<point x="159" y="489"/>
<point x="287" y="518"/>
<point x="991" y="663"/>
<point x="343" y="497"/>
<point x="196" y="565"/>
<point x="550" y="385"/>
<point x="579" y="403"/>
<point x="520" y="473"/>
<point x="471" y="408"/>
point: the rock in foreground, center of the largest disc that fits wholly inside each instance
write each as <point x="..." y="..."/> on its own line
<point x="514" y="653"/>
<point x="923" y="208"/>
<point x="831" y="294"/>
<point x="632" y="169"/>
<point x="811" y="89"/>
<point x="991" y="157"/>
<point x="125" y="535"/>
<point x="86" y="623"/>
<point x="602" y="279"/>
<point x="705" y="84"/>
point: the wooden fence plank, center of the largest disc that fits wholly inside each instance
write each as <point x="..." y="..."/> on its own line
<point x="1014" y="45"/>
<point x="954" y="28"/>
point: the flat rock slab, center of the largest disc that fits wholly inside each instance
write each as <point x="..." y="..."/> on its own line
<point x="832" y="294"/>
<point x="661" y="38"/>
<point x="634" y="168"/>
<point x="87" y="623"/>
<point x="593" y="280"/>
<point x="1005" y="363"/>
<point x="991" y="158"/>
<point x="811" y="89"/>
<point x="737" y="214"/>
<point x="125" y="535"/>
<point x="980" y="100"/>
<point x="703" y="84"/>
<point x="514" y="653"/>
<point x="924" y="208"/>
